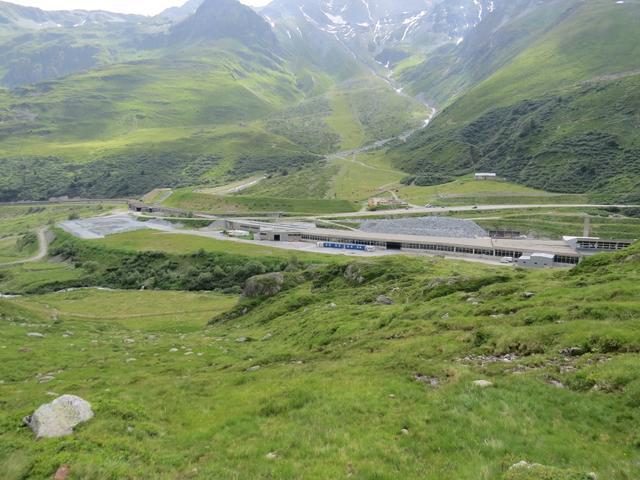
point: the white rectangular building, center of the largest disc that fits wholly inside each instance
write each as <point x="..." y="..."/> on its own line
<point x="486" y="176"/>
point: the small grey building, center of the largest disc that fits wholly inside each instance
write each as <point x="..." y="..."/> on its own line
<point x="537" y="260"/>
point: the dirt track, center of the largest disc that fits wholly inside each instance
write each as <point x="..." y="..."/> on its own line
<point x="43" y="250"/>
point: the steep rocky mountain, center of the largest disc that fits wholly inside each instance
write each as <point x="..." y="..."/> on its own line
<point x="384" y="30"/>
<point x="176" y="14"/>
<point x="507" y="77"/>
<point x="217" y="19"/>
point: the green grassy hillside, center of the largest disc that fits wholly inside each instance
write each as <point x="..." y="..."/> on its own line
<point x="202" y="202"/>
<point x="125" y="128"/>
<point x="321" y="381"/>
<point x="502" y="35"/>
<point x="192" y="117"/>
<point x="561" y="116"/>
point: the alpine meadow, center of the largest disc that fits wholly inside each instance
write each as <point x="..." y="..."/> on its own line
<point x="320" y="239"/>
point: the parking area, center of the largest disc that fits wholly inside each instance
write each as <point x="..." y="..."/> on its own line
<point x="100" y="227"/>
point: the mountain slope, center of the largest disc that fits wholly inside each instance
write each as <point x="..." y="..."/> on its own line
<point x="560" y="350"/>
<point x="176" y="14"/>
<point x="375" y="32"/>
<point x="216" y="19"/>
<point x="562" y="115"/>
<point x="209" y="98"/>
<point x="503" y="33"/>
<point x="38" y="45"/>
<point x="144" y="124"/>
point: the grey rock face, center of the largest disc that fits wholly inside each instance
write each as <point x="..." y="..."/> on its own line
<point x="58" y="418"/>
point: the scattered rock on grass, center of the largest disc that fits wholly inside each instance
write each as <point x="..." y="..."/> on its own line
<point x="489" y="359"/>
<point x="62" y="473"/>
<point x="573" y="351"/>
<point x="524" y="470"/>
<point x="46" y="378"/>
<point x="58" y="418"/>
<point x="483" y="383"/>
<point x="404" y="431"/>
<point x="255" y="368"/>
<point x="427" y="380"/>
<point x="384" y="300"/>
<point x="271" y="456"/>
<point x="524" y="465"/>
<point x="35" y="335"/>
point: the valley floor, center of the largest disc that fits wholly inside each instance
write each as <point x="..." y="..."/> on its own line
<point x="378" y="367"/>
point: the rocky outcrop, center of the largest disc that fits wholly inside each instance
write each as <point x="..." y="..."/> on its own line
<point x="534" y="471"/>
<point x="60" y="417"/>
<point x="355" y="273"/>
<point x="267" y="285"/>
<point x="384" y="300"/>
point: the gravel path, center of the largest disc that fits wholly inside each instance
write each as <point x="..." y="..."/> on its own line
<point x="43" y="250"/>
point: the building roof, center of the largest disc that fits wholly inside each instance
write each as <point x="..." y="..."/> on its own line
<point x="552" y="247"/>
<point x="543" y="255"/>
<point x="546" y="246"/>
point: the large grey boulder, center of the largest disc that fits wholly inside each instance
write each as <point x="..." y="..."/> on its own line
<point x="264" y="285"/>
<point x="58" y="418"/>
<point x="384" y="300"/>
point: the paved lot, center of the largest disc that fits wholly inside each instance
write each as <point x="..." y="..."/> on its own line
<point x="100" y="227"/>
